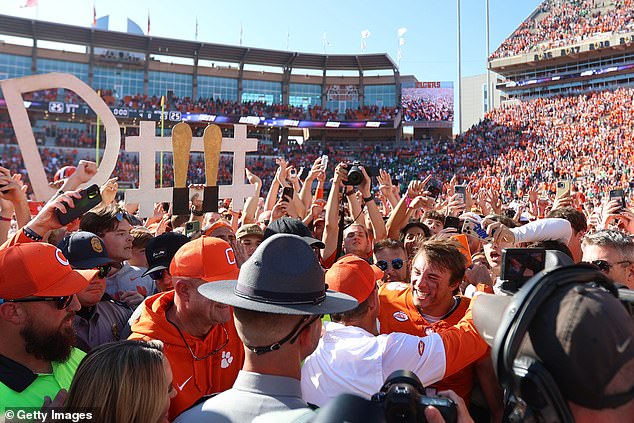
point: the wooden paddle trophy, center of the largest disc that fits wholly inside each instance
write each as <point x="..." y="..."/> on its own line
<point x="212" y="142"/>
<point x="182" y="142"/>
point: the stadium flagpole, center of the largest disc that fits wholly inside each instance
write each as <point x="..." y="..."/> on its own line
<point x="162" y="131"/>
<point x="489" y="93"/>
<point x="97" y="135"/>
<point x="459" y="74"/>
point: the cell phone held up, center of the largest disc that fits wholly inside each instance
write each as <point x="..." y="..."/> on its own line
<point x="453" y="222"/>
<point x="90" y="197"/>
<point x="618" y="195"/>
<point x="192" y="227"/>
<point x="563" y="189"/>
<point x="461" y="192"/>
<point x="434" y="187"/>
<point x="474" y="229"/>
<point x="287" y="193"/>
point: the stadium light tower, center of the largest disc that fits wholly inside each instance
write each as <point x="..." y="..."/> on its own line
<point x="486" y="62"/>
<point x="459" y="73"/>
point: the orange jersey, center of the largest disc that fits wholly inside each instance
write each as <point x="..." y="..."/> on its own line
<point x="397" y="313"/>
<point x="192" y="378"/>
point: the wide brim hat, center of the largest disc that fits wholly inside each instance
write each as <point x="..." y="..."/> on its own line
<point x="283" y="276"/>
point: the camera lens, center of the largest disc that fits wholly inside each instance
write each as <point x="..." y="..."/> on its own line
<point x="355" y="176"/>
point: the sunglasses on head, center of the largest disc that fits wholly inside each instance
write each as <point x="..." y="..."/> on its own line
<point x="397" y="263"/>
<point x="61" y="302"/>
<point x="605" y="266"/>
<point x="157" y="274"/>
<point x="103" y="270"/>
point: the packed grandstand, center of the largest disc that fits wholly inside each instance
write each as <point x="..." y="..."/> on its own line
<point x="538" y="137"/>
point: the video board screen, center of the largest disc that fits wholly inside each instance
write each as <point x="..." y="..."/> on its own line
<point x="428" y="102"/>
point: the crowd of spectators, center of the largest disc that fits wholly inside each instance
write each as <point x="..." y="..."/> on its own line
<point x="427" y="104"/>
<point x="531" y="144"/>
<point x="559" y="23"/>
<point x="249" y="108"/>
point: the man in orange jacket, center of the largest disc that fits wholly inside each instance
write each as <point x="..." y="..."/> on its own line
<point x="200" y="338"/>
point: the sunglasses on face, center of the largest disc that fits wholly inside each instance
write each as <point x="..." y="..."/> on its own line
<point x="61" y="302"/>
<point x="397" y="263"/>
<point x="605" y="266"/>
<point x="157" y="274"/>
<point x="103" y="270"/>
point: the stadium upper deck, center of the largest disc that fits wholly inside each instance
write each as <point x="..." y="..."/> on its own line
<point x="568" y="46"/>
<point x="354" y="97"/>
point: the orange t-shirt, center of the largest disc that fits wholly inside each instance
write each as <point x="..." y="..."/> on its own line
<point x="397" y="313"/>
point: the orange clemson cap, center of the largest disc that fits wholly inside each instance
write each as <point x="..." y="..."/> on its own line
<point x="37" y="269"/>
<point x="207" y="258"/>
<point x="353" y="276"/>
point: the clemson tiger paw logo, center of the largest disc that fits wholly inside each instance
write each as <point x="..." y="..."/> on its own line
<point x="227" y="359"/>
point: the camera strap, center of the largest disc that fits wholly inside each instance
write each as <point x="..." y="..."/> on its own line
<point x="340" y="229"/>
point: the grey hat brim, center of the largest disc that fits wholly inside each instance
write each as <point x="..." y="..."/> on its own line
<point x="224" y="292"/>
<point x="154" y="269"/>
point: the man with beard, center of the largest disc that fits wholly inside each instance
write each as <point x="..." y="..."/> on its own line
<point x="37" y="306"/>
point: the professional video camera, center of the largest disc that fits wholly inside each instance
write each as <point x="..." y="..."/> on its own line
<point x="355" y="176"/>
<point x="526" y="337"/>
<point x="403" y="399"/>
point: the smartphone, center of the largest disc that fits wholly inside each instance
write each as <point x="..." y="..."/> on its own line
<point x="461" y="190"/>
<point x="563" y="189"/>
<point x="618" y="195"/>
<point x="521" y="264"/>
<point x="90" y="197"/>
<point x="192" y="227"/>
<point x="324" y="162"/>
<point x="474" y="229"/>
<point x="288" y="193"/>
<point x="434" y="187"/>
<point x="453" y="222"/>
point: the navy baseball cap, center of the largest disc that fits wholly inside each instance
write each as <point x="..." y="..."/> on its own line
<point x="84" y="250"/>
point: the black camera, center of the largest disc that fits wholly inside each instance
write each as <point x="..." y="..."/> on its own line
<point x="403" y="399"/>
<point x="519" y="265"/>
<point x="355" y="176"/>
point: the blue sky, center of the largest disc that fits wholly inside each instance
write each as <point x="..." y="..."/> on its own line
<point x="429" y="51"/>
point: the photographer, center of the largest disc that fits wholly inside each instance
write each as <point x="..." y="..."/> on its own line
<point x="356" y="237"/>
<point x="563" y="347"/>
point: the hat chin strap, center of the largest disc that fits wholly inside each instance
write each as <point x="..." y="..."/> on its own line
<point x="292" y="337"/>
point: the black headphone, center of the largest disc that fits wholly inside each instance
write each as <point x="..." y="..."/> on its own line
<point x="535" y="394"/>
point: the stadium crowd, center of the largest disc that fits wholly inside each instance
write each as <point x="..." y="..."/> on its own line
<point x="559" y="23"/>
<point x="229" y="302"/>
<point x="582" y="138"/>
<point x="428" y="105"/>
<point x="248" y="108"/>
